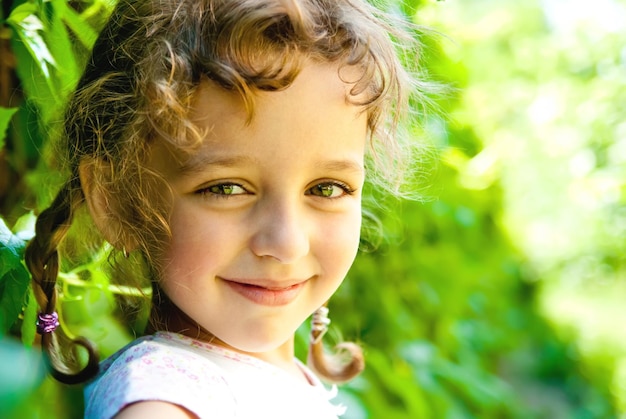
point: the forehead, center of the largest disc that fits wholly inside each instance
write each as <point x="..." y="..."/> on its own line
<point x="331" y="83"/>
<point x="314" y="115"/>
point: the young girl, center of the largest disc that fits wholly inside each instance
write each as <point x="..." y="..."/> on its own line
<point x="225" y="144"/>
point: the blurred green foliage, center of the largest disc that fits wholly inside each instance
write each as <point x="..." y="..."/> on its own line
<point x="496" y="297"/>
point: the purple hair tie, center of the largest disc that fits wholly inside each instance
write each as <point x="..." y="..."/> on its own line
<point x="47" y="323"/>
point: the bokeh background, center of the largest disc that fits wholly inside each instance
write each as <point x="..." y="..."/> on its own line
<point x="500" y="294"/>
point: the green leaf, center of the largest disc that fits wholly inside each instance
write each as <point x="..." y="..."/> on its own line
<point x="28" y="28"/>
<point x="25" y="230"/>
<point x="58" y="38"/>
<point x="11" y="249"/>
<point x="85" y="34"/>
<point x="14" y="277"/>
<point x="29" y="328"/>
<point x="42" y="101"/>
<point x="5" y="117"/>
<point x="25" y="226"/>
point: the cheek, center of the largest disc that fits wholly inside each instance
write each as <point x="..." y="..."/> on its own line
<point x="193" y="243"/>
<point x="340" y="242"/>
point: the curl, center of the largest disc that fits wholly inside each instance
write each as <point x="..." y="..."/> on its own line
<point x="342" y="365"/>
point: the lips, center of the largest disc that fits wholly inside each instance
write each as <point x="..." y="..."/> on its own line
<point x="267" y="294"/>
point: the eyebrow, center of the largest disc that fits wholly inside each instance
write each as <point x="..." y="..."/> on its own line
<point x="201" y="163"/>
<point x="341" y="166"/>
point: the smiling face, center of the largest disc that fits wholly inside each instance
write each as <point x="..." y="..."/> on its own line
<point x="266" y="214"/>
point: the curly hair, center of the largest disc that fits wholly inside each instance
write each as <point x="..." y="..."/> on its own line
<point x="137" y="87"/>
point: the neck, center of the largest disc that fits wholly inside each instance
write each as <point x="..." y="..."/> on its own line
<point x="166" y="316"/>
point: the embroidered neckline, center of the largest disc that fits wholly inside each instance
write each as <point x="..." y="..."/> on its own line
<point x="231" y="354"/>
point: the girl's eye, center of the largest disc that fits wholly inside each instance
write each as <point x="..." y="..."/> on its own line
<point x="224" y="189"/>
<point x="330" y="190"/>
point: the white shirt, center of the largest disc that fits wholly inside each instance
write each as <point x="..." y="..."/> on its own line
<point x="208" y="380"/>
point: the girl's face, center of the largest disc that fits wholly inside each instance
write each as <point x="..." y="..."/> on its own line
<point x="266" y="215"/>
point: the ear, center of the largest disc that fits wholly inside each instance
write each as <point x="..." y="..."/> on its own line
<point x="94" y="173"/>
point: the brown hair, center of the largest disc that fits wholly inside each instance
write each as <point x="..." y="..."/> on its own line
<point x="137" y="86"/>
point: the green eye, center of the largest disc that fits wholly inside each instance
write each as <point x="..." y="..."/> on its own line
<point x="225" y="189"/>
<point x="326" y="190"/>
<point x="329" y="190"/>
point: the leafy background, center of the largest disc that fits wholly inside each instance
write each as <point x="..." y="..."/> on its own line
<point x="500" y="296"/>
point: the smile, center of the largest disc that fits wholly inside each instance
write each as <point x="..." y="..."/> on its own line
<point x="264" y="295"/>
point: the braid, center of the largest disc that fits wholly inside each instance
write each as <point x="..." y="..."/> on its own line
<point x="42" y="260"/>
<point x="343" y="365"/>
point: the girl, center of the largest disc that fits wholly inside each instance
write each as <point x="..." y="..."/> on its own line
<point x="225" y="144"/>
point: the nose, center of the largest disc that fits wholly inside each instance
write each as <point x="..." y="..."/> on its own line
<point x="280" y="231"/>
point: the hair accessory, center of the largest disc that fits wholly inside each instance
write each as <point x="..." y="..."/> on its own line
<point x="47" y="323"/>
<point x="319" y="324"/>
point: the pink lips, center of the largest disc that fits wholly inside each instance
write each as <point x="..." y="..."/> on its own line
<point x="266" y="296"/>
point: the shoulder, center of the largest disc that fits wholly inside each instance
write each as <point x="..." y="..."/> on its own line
<point x="155" y="410"/>
<point x="157" y="369"/>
